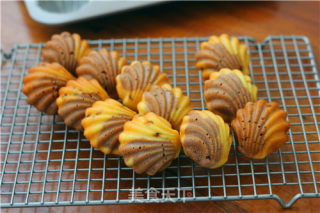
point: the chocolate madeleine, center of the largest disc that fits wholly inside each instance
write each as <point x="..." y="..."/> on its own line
<point x="148" y="144"/>
<point x="227" y="91"/>
<point x="168" y="102"/>
<point x="206" y="138"/>
<point x="104" y="66"/>
<point x="65" y="49"/>
<point x="76" y="97"/>
<point x="42" y="84"/>
<point x="222" y="52"/>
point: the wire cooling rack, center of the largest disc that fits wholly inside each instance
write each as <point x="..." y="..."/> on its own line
<point x="45" y="163"/>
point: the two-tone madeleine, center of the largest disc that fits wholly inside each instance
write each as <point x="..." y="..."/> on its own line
<point x="260" y="129"/>
<point x="42" y="84"/>
<point x="227" y="91"/>
<point x="76" y="97"/>
<point x="104" y="122"/>
<point x="222" y="52"/>
<point x="148" y="144"/>
<point x="168" y="102"/>
<point x="137" y="78"/>
<point x="65" y="49"/>
<point x="104" y="66"/>
<point x="206" y="138"/>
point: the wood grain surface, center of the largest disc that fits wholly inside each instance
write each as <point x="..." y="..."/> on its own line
<point x="179" y="19"/>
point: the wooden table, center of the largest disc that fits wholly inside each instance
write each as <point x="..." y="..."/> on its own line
<point x="255" y="19"/>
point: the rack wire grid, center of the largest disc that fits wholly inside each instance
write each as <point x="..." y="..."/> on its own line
<point x="45" y="163"/>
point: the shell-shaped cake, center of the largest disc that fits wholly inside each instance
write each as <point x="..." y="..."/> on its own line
<point x="222" y="52"/>
<point x="42" y="84"/>
<point x="137" y="78"/>
<point x="104" y="66"/>
<point x="168" y="102"/>
<point x="206" y="138"/>
<point x="148" y="144"/>
<point x="260" y="129"/>
<point x="66" y="49"/>
<point x="227" y="91"/>
<point x="104" y="122"/>
<point x="76" y="97"/>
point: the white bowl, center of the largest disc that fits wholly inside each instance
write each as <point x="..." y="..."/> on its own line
<point x="67" y="11"/>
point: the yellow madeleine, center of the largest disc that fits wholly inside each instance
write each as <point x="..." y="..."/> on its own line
<point x="137" y="78"/>
<point x="104" y="122"/>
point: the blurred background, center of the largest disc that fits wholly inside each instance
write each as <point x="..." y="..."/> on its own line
<point x="140" y="19"/>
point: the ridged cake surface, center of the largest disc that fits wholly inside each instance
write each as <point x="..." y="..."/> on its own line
<point x="222" y="52"/>
<point x="104" y="66"/>
<point x="148" y="144"/>
<point x="168" y="102"/>
<point x="137" y="78"/>
<point x="104" y="122"/>
<point x="260" y="129"/>
<point x="76" y="97"/>
<point x="227" y="91"/>
<point x="42" y="84"/>
<point x="206" y="138"/>
<point x="66" y="49"/>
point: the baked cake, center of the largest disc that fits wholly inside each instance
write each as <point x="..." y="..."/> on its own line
<point x="137" y="78"/>
<point x="227" y="91"/>
<point x="65" y="49"/>
<point x="260" y="129"/>
<point x="148" y="144"/>
<point x="104" y="66"/>
<point x="76" y="97"/>
<point x="168" y="102"/>
<point x="206" y="138"/>
<point x="222" y="52"/>
<point x="104" y="122"/>
<point x="42" y="84"/>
